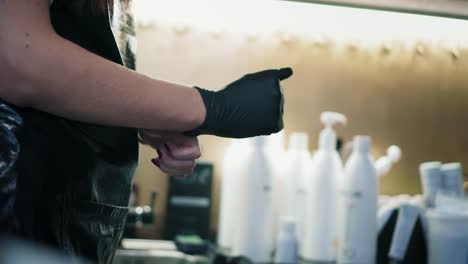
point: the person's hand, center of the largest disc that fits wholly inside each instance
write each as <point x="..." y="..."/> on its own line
<point x="251" y="106"/>
<point x="176" y="153"/>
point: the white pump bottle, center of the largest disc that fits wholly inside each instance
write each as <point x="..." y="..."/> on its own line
<point x="326" y="169"/>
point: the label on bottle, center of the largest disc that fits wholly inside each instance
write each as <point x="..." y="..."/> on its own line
<point x="357" y="228"/>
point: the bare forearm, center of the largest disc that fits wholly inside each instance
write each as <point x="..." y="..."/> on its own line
<point x="39" y="69"/>
<point x="71" y="82"/>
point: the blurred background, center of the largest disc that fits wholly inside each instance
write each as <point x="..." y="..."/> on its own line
<point x="398" y="77"/>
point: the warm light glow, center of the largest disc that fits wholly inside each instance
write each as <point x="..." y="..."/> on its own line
<point x="314" y="21"/>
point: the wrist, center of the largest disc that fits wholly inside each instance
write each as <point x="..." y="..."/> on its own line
<point x="205" y="118"/>
<point x="199" y="110"/>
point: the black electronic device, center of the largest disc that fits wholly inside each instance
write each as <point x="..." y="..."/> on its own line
<point x="189" y="203"/>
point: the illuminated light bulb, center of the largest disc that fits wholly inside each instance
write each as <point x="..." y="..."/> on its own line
<point x="286" y="38"/>
<point x="353" y="46"/>
<point x="203" y="14"/>
<point x="216" y="33"/>
<point x="420" y="50"/>
<point x="320" y="41"/>
<point x="455" y="53"/>
<point x="386" y="48"/>
<point x="252" y="37"/>
<point x="181" y="29"/>
<point x="144" y="21"/>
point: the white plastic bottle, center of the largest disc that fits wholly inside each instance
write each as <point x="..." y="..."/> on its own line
<point x="357" y="207"/>
<point x="253" y="228"/>
<point x="286" y="243"/>
<point x="453" y="179"/>
<point x="277" y="157"/>
<point x="320" y="206"/>
<point x="432" y="181"/>
<point x="297" y="164"/>
<point x="230" y="185"/>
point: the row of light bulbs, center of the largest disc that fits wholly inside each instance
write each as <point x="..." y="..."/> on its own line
<point x="320" y="41"/>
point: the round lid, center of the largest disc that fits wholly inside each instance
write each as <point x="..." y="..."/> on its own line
<point x="451" y="167"/>
<point x="431" y="165"/>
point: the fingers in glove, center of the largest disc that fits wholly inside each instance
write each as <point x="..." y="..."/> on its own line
<point x="280" y="74"/>
<point x="284" y="73"/>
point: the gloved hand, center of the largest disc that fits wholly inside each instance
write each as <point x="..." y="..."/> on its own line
<point x="251" y="106"/>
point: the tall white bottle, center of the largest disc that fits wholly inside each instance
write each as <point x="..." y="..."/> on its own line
<point x="253" y="234"/>
<point x="230" y="188"/>
<point x="297" y="165"/>
<point x="320" y="206"/>
<point x="357" y="207"/>
<point x="277" y="157"/>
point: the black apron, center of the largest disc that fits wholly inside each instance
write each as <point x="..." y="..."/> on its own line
<point x="10" y="122"/>
<point x="74" y="179"/>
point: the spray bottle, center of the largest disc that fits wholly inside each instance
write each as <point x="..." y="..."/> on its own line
<point x="326" y="169"/>
<point x="384" y="164"/>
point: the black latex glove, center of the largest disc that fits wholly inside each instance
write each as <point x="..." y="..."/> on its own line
<point x="251" y="106"/>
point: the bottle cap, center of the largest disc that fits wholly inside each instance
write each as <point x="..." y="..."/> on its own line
<point x="327" y="139"/>
<point x="258" y="142"/>
<point x="432" y="181"/>
<point x="453" y="178"/>
<point x="431" y="165"/>
<point x="298" y="141"/>
<point x="451" y="168"/>
<point x="276" y="141"/>
<point x="362" y="144"/>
